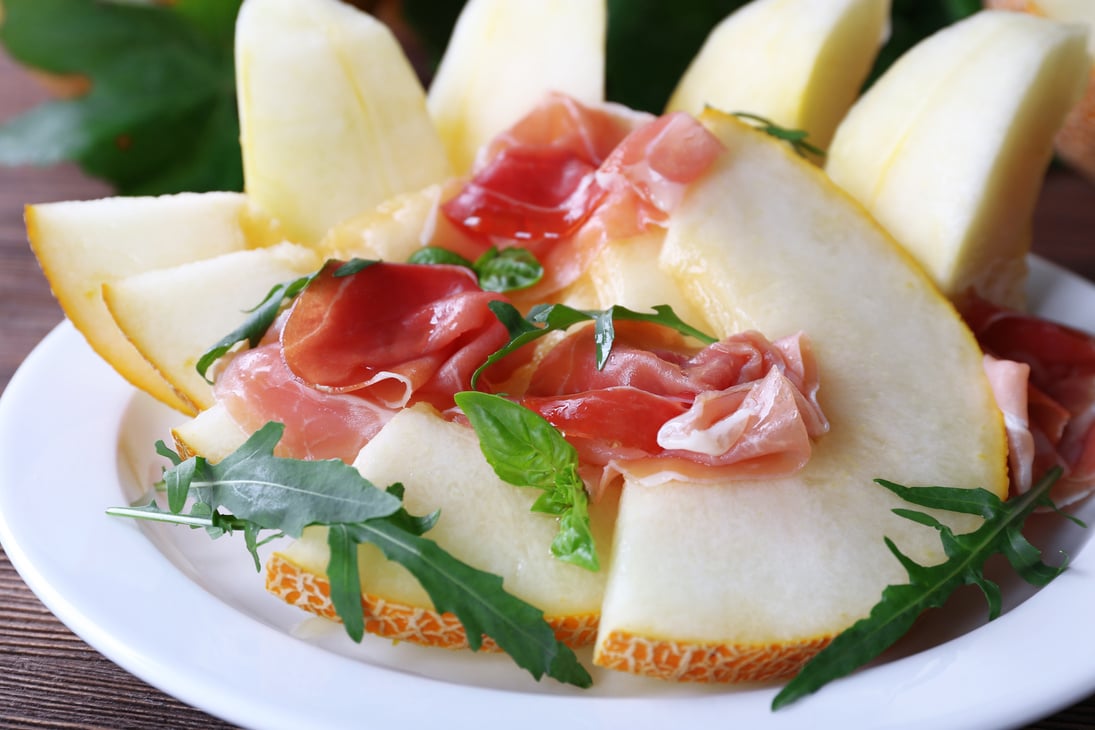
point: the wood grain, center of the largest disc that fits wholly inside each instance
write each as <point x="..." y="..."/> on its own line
<point x="48" y="676"/>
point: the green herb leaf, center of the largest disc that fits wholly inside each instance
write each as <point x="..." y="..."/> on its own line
<point x="546" y="318"/>
<point x="930" y="587"/>
<point x="497" y="270"/>
<point x="260" y="491"/>
<point x="508" y="270"/>
<point x="527" y="451"/>
<point x="255" y="326"/>
<point x="159" y="116"/>
<point x="478" y="600"/>
<point x="795" y="137"/>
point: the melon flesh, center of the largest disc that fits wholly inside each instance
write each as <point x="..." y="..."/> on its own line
<point x="745" y="580"/>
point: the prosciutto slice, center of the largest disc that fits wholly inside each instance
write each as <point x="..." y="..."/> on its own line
<point x="1043" y="376"/>
<point x="355" y="349"/>
<point x="658" y="410"/>
<point x="568" y="178"/>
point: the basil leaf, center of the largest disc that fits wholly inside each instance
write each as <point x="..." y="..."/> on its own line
<point x="527" y="451"/>
<point x="508" y="270"/>
<point x="437" y="255"/>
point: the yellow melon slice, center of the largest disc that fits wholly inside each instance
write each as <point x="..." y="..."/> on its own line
<point x="484" y="522"/>
<point x="217" y="293"/>
<point x="503" y="57"/>
<point x="1075" y="141"/>
<point x="799" y="63"/>
<point x="333" y="119"/>
<point x="745" y="580"/>
<point x="949" y="148"/>
<point x="82" y="245"/>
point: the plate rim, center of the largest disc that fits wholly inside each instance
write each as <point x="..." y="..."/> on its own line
<point x="117" y="632"/>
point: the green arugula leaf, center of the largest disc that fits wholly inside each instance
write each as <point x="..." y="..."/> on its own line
<point x="160" y="114"/>
<point x="261" y="491"/>
<point x="497" y="270"/>
<point x="527" y="451"/>
<point x="930" y="587"/>
<point x="255" y="326"/>
<point x="794" y="137"/>
<point x="543" y="319"/>
<point x="478" y="600"/>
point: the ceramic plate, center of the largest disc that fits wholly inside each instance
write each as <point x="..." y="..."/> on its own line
<point x="190" y="616"/>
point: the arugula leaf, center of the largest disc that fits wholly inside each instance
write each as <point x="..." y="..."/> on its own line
<point x="497" y="270"/>
<point x="254" y="327"/>
<point x="546" y="318"/>
<point x="261" y="491"/>
<point x="160" y="114"/>
<point x="527" y="451"/>
<point x="794" y="137"/>
<point x="930" y="587"/>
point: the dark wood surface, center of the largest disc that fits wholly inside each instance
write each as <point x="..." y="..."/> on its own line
<point x="48" y="676"/>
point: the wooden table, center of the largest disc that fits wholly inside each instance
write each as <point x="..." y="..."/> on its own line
<point x="48" y="676"/>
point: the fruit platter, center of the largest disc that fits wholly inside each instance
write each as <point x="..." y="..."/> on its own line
<point x="496" y="391"/>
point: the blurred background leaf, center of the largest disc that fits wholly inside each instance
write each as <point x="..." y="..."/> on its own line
<point x="151" y="88"/>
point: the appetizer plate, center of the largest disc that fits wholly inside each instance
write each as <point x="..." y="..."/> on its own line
<point x="190" y="616"/>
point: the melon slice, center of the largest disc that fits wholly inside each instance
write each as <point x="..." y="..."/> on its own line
<point x="217" y="293"/>
<point x="333" y="119"/>
<point x="504" y="55"/>
<point x="799" y="63"/>
<point x="949" y="148"/>
<point x="1075" y="141"/>
<point x="744" y="581"/>
<point x="484" y="522"/>
<point x="81" y="245"/>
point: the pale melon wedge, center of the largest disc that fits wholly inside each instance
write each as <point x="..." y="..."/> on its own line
<point x="484" y="522"/>
<point x="393" y="230"/>
<point x="212" y="434"/>
<point x="745" y="580"/>
<point x="172" y="316"/>
<point x="504" y="55"/>
<point x="799" y="63"/>
<point x="948" y="149"/>
<point x="332" y="117"/>
<point x="81" y="245"/>
<point x="1075" y="141"/>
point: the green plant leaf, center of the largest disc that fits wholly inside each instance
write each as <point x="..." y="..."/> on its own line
<point x="931" y="586"/>
<point x="478" y="600"/>
<point x="543" y="319"/>
<point x="527" y="451"/>
<point x="497" y="270"/>
<point x="252" y="329"/>
<point x="160" y="113"/>
<point x="259" y="491"/>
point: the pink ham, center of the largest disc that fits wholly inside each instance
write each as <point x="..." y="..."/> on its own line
<point x="1043" y="376"/>
<point x="569" y="178"/>
<point x="742" y="407"/>
<point x="355" y="349"/>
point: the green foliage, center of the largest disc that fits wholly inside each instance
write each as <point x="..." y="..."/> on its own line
<point x="543" y="319"/>
<point x="527" y="451"/>
<point x="160" y="115"/>
<point x="498" y="270"/>
<point x="252" y="490"/>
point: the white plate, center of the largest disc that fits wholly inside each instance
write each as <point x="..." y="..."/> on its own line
<point x="189" y="615"/>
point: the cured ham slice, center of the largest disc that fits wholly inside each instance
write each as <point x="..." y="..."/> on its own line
<point x="568" y="178"/>
<point x="356" y="349"/>
<point x="1043" y="376"/>
<point x="658" y="410"/>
